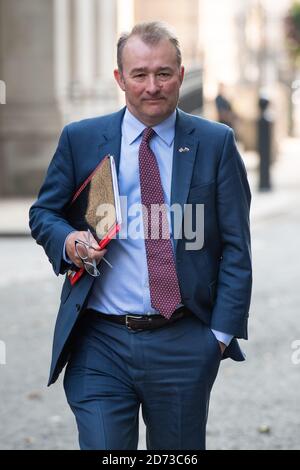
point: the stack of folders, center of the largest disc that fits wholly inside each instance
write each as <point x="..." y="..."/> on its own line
<point x="96" y="207"/>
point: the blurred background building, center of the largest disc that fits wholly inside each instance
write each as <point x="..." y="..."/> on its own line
<point x="57" y="59"/>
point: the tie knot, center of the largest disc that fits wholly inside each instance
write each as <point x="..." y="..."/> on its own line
<point x="148" y="134"/>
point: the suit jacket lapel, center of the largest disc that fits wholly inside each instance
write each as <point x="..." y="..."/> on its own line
<point x="183" y="164"/>
<point x="110" y="140"/>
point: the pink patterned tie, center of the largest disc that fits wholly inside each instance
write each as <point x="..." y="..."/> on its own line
<point x="163" y="282"/>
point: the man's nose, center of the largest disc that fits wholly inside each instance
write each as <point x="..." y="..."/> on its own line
<point x="153" y="86"/>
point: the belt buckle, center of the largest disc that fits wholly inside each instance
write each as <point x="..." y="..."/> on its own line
<point x="134" y="317"/>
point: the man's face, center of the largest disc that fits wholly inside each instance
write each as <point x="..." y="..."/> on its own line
<point x="151" y="79"/>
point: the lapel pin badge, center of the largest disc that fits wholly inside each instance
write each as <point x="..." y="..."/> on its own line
<point x="183" y="149"/>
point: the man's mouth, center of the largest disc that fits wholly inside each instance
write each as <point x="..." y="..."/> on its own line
<point x="154" y="99"/>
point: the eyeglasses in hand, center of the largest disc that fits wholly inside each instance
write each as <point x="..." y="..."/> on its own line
<point x="81" y="248"/>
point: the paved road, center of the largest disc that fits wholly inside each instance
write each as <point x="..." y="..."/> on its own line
<point x="254" y="405"/>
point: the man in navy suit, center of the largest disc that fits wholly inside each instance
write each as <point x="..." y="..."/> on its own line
<point x="152" y="330"/>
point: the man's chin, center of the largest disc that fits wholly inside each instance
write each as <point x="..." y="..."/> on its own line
<point x="155" y="109"/>
<point x="152" y="115"/>
<point x="158" y="104"/>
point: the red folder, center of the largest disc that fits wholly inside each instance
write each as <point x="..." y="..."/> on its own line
<point x="87" y="209"/>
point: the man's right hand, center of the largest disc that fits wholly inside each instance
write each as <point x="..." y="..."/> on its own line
<point x="94" y="252"/>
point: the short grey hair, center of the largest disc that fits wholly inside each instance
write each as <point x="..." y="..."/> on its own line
<point x="150" y="33"/>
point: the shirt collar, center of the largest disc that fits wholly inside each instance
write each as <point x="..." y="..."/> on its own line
<point x="132" y="128"/>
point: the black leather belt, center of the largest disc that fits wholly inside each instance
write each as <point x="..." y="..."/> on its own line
<point x="142" y="322"/>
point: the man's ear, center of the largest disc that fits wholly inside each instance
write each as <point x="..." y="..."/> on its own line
<point x="181" y="74"/>
<point x="119" y="79"/>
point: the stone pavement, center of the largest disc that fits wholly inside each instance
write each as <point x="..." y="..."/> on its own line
<point x="254" y="405"/>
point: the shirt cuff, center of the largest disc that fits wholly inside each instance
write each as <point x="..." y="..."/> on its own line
<point x="64" y="254"/>
<point x="223" y="337"/>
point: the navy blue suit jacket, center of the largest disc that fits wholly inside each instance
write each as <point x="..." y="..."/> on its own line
<point x="215" y="281"/>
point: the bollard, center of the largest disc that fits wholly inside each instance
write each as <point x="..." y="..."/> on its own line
<point x="264" y="145"/>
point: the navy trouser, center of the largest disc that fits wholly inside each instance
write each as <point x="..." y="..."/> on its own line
<point x="169" y="371"/>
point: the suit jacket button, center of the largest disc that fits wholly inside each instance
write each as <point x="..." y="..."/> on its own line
<point x="78" y="307"/>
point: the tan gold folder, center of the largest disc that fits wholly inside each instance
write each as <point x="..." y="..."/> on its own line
<point x="96" y="206"/>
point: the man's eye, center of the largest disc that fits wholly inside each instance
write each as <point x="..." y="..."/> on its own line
<point x="164" y="74"/>
<point x="139" y="75"/>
